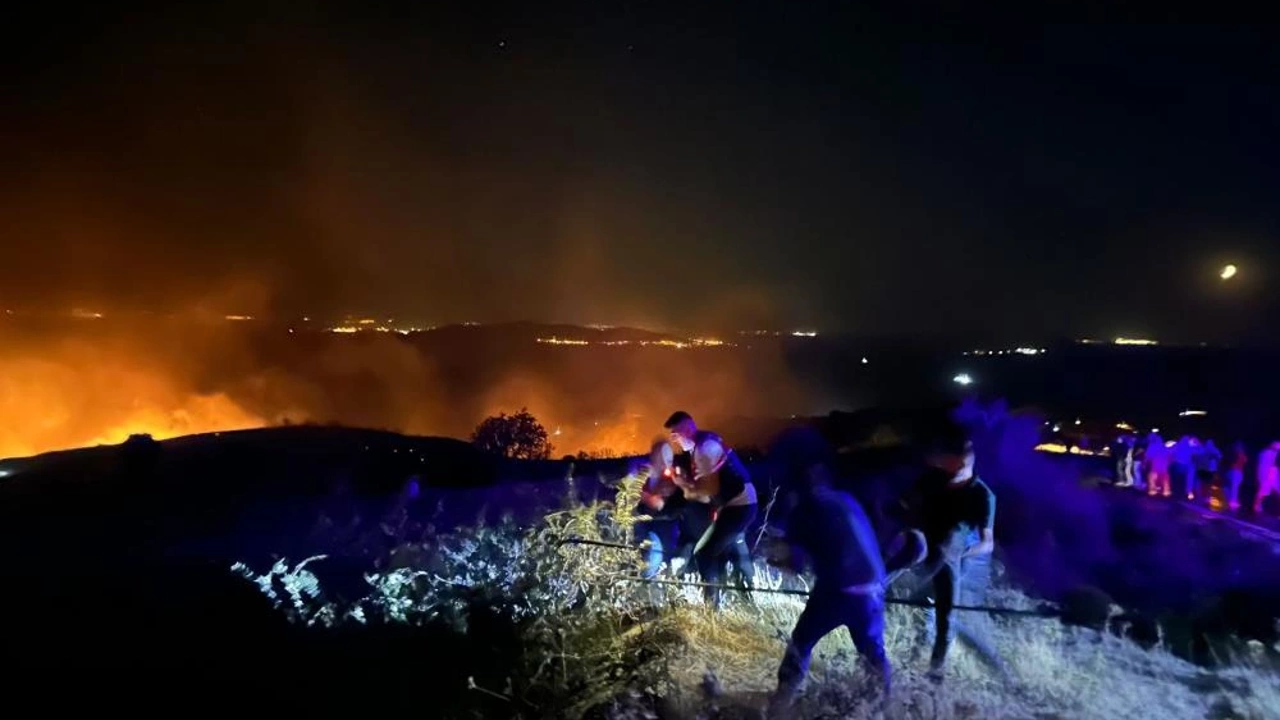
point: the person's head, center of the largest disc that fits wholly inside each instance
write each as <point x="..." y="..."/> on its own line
<point x="952" y="453"/>
<point x="682" y="430"/>
<point x="803" y="457"/>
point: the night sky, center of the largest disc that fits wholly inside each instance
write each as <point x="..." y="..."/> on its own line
<point x="735" y="166"/>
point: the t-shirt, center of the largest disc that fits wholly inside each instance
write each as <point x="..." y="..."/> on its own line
<point x="941" y="510"/>
<point x="833" y="534"/>
<point x="710" y="456"/>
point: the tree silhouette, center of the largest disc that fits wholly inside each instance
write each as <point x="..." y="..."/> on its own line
<point x="519" y="436"/>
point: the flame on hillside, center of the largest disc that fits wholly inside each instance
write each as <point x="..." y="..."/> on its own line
<point x="49" y="406"/>
<point x="58" y="393"/>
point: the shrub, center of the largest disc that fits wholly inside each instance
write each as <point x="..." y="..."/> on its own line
<point x="519" y="436"/>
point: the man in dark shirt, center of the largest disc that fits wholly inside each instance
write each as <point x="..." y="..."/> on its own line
<point x="955" y="511"/>
<point x="720" y="480"/>
<point x="828" y="532"/>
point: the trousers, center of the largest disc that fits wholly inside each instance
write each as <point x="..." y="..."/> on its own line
<point x="960" y="582"/>
<point x="726" y="542"/>
<point x="1231" y="488"/>
<point x="664" y="538"/>
<point x="827" y="610"/>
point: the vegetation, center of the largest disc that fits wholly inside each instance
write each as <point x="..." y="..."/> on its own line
<point x="573" y="636"/>
<point x="519" y="436"/>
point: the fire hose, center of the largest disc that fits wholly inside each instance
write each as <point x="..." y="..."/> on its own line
<point x="1042" y="612"/>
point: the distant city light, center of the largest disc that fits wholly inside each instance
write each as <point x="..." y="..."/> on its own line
<point x="803" y="333"/>
<point x="1192" y="413"/>
<point x="1008" y="351"/>
<point x="239" y="317"/>
<point x="1228" y="272"/>
<point x="677" y="344"/>
<point x="963" y="379"/>
<point x="1134" y="341"/>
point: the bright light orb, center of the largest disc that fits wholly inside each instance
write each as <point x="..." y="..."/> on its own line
<point x="1228" y="272"/>
<point x="963" y="379"/>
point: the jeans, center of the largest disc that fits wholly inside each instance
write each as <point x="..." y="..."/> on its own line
<point x="726" y="541"/>
<point x="826" y="610"/>
<point x="961" y="582"/>
<point x="663" y="537"/>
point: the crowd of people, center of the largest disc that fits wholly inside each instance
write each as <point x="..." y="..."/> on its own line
<point x="700" y="501"/>
<point x="1191" y="468"/>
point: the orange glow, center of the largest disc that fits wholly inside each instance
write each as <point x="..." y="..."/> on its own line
<point x="49" y="406"/>
<point x="166" y="376"/>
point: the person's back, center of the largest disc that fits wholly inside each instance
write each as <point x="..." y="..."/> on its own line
<point x="827" y="531"/>
<point x="838" y="540"/>
<point x="1266" y="462"/>
<point x="1183" y="451"/>
<point x="1156" y="452"/>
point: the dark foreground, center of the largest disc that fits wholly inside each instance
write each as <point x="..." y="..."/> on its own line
<point x="116" y="559"/>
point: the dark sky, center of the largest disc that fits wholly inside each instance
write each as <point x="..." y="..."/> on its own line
<point x="635" y="162"/>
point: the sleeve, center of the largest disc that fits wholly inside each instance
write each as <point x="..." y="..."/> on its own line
<point x="707" y="458"/>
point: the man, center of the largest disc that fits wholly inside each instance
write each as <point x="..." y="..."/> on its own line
<point x="1236" y="463"/>
<point x="676" y="524"/>
<point x="662" y="501"/>
<point x="1182" y="466"/>
<point x="721" y="481"/>
<point x="1268" y="475"/>
<point x="955" y="511"/>
<point x="1206" y="461"/>
<point x="1157" y="463"/>
<point x="1122" y="451"/>
<point x="828" y="531"/>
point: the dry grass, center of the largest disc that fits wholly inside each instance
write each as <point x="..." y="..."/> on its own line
<point x="600" y="645"/>
<point x="1058" y="671"/>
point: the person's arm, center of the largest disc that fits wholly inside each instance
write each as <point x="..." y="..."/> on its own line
<point x="986" y="535"/>
<point x="707" y="459"/>
<point x="652" y="500"/>
<point x="690" y="489"/>
<point x="786" y="552"/>
<point x="986" y="544"/>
